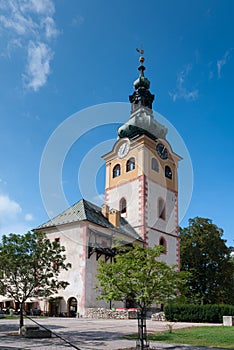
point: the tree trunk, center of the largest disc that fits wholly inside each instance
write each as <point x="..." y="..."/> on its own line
<point x="21" y="314"/>
<point x="142" y="341"/>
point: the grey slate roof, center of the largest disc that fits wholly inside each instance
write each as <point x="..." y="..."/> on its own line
<point x="87" y="211"/>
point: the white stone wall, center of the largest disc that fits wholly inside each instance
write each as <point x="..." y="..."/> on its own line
<point x="163" y="228"/>
<point x="82" y="276"/>
<point x="155" y="192"/>
<point x="155" y="226"/>
<point x="171" y="256"/>
<point x="130" y="191"/>
<point x="91" y="281"/>
<point x="73" y="238"/>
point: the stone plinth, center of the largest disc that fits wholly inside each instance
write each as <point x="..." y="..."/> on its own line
<point x="34" y="332"/>
<point x="228" y="320"/>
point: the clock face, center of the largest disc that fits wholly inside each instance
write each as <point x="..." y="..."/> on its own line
<point x="162" y="151"/>
<point x="123" y="149"/>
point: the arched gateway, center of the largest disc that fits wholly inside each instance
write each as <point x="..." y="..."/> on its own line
<point x="72" y="307"/>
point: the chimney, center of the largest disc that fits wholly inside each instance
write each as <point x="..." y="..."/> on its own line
<point x="105" y="210"/>
<point x="114" y="217"/>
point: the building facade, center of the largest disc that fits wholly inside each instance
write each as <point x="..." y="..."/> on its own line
<point x="142" y="174"/>
<point x="141" y="205"/>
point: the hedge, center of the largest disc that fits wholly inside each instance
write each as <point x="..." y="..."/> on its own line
<point x="197" y="313"/>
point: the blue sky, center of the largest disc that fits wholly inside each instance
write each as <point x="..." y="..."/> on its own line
<point x="60" y="57"/>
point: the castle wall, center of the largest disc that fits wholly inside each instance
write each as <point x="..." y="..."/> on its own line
<point x="73" y="238"/>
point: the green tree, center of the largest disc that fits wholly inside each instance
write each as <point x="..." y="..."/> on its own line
<point x="30" y="266"/>
<point x="205" y="255"/>
<point x="138" y="273"/>
<point x="231" y="281"/>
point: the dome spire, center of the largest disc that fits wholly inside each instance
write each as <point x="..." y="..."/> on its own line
<point x="141" y="96"/>
<point x="141" y="121"/>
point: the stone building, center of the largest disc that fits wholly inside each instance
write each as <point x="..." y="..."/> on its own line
<point x="141" y="205"/>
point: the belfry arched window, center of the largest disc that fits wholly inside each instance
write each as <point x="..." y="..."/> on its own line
<point x="130" y="165"/>
<point x="154" y="164"/>
<point x="123" y="206"/>
<point x="116" y="170"/>
<point x="168" y="172"/>
<point x="163" y="243"/>
<point x="161" y="209"/>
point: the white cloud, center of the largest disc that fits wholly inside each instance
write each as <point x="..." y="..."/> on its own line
<point x="181" y="91"/>
<point x="216" y="67"/>
<point x="50" y="27"/>
<point x="14" y="227"/>
<point x="210" y="71"/>
<point x="222" y="62"/>
<point x="18" y="23"/>
<point x="29" y="25"/>
<point x="9" y="208"/>
<point x="38" y="68"/>
<point x="11" y="220"/>
<point x="77" y="20"/>
<point x="29" y="217"/>
<point x="38" y="6"/>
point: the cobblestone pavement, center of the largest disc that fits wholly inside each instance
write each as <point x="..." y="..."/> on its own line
<point x="85" y="334"/>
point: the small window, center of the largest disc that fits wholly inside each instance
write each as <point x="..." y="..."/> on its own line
<point x="116" y="170"/>
<point x="163" y="243"/>
<point x="161" y="209"/>
<point x="168" y="172"/>
<point x="130" y="164"/>
<point x="123" y="206"/>
<point x="154" y="164"/>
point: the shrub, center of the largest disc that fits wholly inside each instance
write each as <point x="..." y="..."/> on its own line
<point x="197" y="313"/>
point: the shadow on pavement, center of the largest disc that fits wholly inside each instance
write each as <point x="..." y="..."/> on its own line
<point x="82" y="339"/>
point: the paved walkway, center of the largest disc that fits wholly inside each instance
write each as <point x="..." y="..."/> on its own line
<point x="85" y="334"/>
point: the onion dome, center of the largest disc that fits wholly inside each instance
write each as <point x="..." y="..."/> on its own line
<point x="141" y="97"/>
<point x="141" y="121"/>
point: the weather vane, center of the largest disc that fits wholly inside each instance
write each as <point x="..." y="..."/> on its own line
<point x="140" y="51"/>
<point x="141" y="58"/>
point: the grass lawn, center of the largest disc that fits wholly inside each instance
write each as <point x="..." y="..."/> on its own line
<point x="218" y="336"/>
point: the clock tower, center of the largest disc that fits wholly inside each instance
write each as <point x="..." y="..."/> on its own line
<point x="141" y="174"/>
